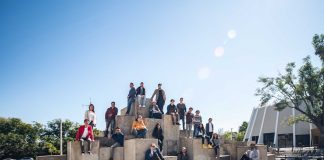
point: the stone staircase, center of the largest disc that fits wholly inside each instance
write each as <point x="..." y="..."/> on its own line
<point x="134" y="148"/>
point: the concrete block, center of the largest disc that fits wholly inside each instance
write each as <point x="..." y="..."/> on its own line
<point x="170" y="157"/>
<point x="271" y="157"/>
<point x="143" y="111"/>
<point x="225" y="157"/>
<point x="105" y="153"/>
<point x="52" y="157"/>
<point x="171" y="147"/>
<point x="150" y="124"/>
<point x="74" y="151"/>
<point x="195" y="150"/>
<point x="240" y="151"/>
<point x="263" y="151"/>
<point x="134" y="149"/>
<point x="171" y="132"/>
<point x="104" y="141"/>
<point x="229" y="149"/>
<point x="118" y="153"/>
<point x="125" y="123"/>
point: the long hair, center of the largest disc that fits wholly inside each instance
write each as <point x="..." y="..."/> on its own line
<point x="92" y="106"/>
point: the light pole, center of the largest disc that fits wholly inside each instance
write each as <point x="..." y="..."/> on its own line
<point x="61" y="138"/>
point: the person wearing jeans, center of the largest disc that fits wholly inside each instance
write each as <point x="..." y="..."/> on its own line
<point x="110" y="118"/>
<point x="189" y="116"/>
<point x="209" y="132"/>
<point x="85" y="133"/>
<point x="130" y="97"/>
<point x="196" y="120"/>
<point x="182" y="109"/>
<point x="139" y="128"/>
<point x="159" y="97"/>
<point x="140" y="93"/>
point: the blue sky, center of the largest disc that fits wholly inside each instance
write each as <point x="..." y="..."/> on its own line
<point x="54" y="55"/>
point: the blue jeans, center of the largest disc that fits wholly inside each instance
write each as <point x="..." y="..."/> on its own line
<point x="140" y="133"/>
<point x="129" y="104"/>
<point x="195" y="132"/>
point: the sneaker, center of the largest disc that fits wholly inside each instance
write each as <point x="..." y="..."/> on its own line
<point x="82" y="153"/>
<point x="177" y="123"/>
<point x="205" y="146"/>
<point x="210" y="146"/>
<point x="90" y="153"/>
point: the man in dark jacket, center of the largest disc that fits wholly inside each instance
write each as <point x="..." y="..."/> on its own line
<point x="118" y="137"/>
<point x="140" y="93"/>
<point x="110" y="117"/>
<point x="182" y="109"/>
<point x="153" y="153"/>
<point x="172" y="110"/>
<point x="131" y="97"/>
<point x="209" y="131"/>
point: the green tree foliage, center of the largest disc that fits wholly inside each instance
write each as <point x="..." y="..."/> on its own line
<point x="294" y="90"/>
<point x="19" y="139"/>
<point x="243" y="127"/>
<point x="318" y="43"/>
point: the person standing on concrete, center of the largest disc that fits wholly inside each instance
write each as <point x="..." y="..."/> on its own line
<point x="183" y="155"/>
<point x="91" y="116"/>
<point x="182" y="109"/>
<point x="110" y="118"/>
<point x="131" y="97"/>
<point x="159" y="97"/>
<point x="216" y="144"/>
<point x="85" y="133"/>
<point x="201" y="134"/>
<point x="153" y="153"/>
<point x="139" y="128"/>
<point x="196" y="120"/>
<point x="209" y="131"/>
<point x="158" y="134"/>
<point x="189" y="117"/>
<point x="140" y="93"/>
<point x="172" y="110"/>
<point x="155" y="111"/>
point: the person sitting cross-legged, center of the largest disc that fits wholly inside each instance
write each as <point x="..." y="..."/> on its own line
<point x="139" y="128"/>
<point x="85" y="133"/>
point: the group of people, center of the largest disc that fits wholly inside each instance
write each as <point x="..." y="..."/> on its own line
<point x="178" y="112"/>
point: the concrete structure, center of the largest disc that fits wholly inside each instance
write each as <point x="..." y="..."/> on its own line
<point x="270" y="127"/>
<point x="52" y="157"/>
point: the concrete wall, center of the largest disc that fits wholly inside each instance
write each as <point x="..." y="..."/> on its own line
<point x="134" y="149"/>
<point x="52" y="157"/>
<point x="74" y="151"/>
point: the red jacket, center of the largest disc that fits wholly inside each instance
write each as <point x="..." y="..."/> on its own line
<point x="81" y="130"/>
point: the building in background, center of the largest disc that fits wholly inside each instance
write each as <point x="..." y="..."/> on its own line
<point x="270" y="127"/>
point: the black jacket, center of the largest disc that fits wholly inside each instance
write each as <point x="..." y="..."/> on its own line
<point x="118" y="138"/>
<point x="138" y="91"/>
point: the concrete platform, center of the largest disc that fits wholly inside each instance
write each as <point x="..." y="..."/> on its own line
<point x="135" y="148"/>
<point x="170" y="157"/>
<point x="195" y="150"/>
<point x="125" y="123"/>
<point x="52" y="157"/>
<point x="74" y="151"/>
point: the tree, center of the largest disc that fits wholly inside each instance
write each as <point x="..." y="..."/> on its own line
<point x="243" y="127"/>
<point x="318" y="43"/>
<point x="18" y="139"/>
<point x="303" y="92"/>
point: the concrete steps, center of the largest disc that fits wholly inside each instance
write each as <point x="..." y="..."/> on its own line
<point x="106" y="153"/>
<point x="134" y="149"/>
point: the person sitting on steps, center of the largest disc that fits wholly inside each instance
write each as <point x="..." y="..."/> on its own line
<point x="201" y="134"/>
<point x="138" y="128"/>
<point x="183" y="155"/>
<point x="140" y="93"/>
<point x="216" y="144"/>
<point x="118" y="138"/>
<point x="130" y="97"/>
<point x="158" y="134"/>
<point x="153" y="153"/>
<point x="172" y="110"/>
<point x="85" y="133"/>
<point x="155" y="111"/>
<point x="252" y="154"/>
